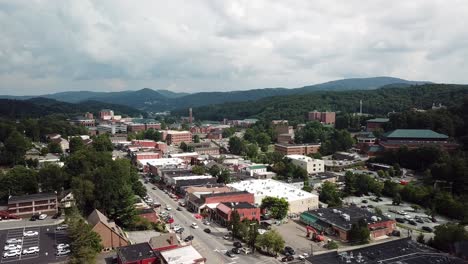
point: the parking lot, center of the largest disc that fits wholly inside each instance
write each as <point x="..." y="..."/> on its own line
<point x="46" y="239"/>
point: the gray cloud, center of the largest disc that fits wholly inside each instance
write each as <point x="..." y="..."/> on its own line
<point x="49" y="46"/>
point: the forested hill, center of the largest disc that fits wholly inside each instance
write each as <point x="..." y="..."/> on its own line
<point x="294" y="107"/>
<point x="39" y="107"/>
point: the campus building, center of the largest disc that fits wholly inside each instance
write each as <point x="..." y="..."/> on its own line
<point x="415" y="138"/>
<point x="376" y="124"/>
<point x="297" y="149"/>
<point x="312" y="166"/>
<point x="28" y="205"/>
<point x="174" y="137"/>
<point x="327" y="118"/>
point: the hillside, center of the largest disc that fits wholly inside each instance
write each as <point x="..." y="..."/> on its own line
<point x="157" y="100"/>
<point x="294" y="107"/>
<point x="38" y="107"/>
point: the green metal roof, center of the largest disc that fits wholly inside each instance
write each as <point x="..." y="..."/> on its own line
<point x="414" y="133"/>
<point x="254" y="167"/>
<point x="379" y="120"/>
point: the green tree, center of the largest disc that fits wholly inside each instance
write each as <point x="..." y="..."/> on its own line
<point x="235" y="224"/>
<point x="263" y="140"/>
<point x="196" y="139"/>
<point x="15" y="147"/>
<point x="236" y="146"/>
<point x="224" y="176"/>
<point x="271" y="242"/>
<point x="54" y="147"/>
<point x="76" y="143"/>
<point x="102" y="143"/>
<point x="330" y="195"/>
<point x="52" y="178"/>
<point x="447" y="234"/>
<point x="199" y="170"/>
<point x="85" y="243"/>
<point x="18" y="181"/>
<point x="251" y="151"/>
<point x="396" y="199"/>
<point x="276" y="207"/>
<point x="359" y="233"/>
<point x="214" y="170"/>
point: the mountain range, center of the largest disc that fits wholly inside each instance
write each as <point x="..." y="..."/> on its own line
<point x="161" y="100"/>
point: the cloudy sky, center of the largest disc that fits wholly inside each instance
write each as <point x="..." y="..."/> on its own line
<point x="110" y="45"/>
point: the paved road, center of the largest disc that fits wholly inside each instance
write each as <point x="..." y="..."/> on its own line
<point x="212" y="246"/>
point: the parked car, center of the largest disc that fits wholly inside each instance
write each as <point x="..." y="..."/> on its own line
<point x="194" y="225"/>
<point x="235" y="250"/>
<point x="428" y="229"/>
<point x="412" y="222"/>
<point x="12" y="253"/>
<point x="290" y="250"/>
<point x="63" y="252"/>
<point x="287" y="258"/>
<point x="364" y="201"/>
<point x="229" y="254"/>
<point x="227" y="237"/>
<point x="237" y="244"/>
<point x="14" y="241"/>
<point x="189" y="238"/>
<point x="246" y="250"/>
<point x="180" y="230"/>
<point x="57" y="215"/>
<point x="400" y="220"/>
<point x="178" y="209"/>
<point x="34" y="217"/>
<point x="30" y="233"/>
<point x="62" y="227"/>
<point x="207" y="230"/>
<point x="31" y="250"/>
<point x="370" y="206"/>
<point x="419" y="220"/>
<point x="205" y="222"/>
<point x="168" y="208"/>
<point x="11" y="247"/>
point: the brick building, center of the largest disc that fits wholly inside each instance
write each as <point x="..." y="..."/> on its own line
<point x="141" y="253"/>
<point x="246" y="210"/>
<point x="176" y="137"/>
<point x="197" y="201"/>
<point x="338" y="221"/>
<point x="327" y="118"/>
<point x="135" y="127"/>
<point x="376" y="123"/>
<point x="285" y="138"/>
<point x="297" y="149"/>
<point x="28" y="205"/>
<point x="415" y="138"/>
<point x="112" y="236"/>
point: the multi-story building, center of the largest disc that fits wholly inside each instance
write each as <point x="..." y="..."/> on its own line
<point x="299" y="200"/>
<point x="28" y="205"/>
<point x="312" y="166"/>
<point x="175" y="137"/>
<point x="245" y="210"/>
<point x="84" y="121"/>
<point x="106" y="114"/>
<point x="415" y="138"/>
<point x="327" y="118"/>
<point x="200" y="199"/>
<point x="375" y="124"/>
<point x="339" y="221"/>
<point x="135" y="127"/>
<point x="285" y="138"/>
<point x="297" y="149"/>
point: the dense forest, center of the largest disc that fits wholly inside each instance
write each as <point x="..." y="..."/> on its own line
<point x="376" y="102"/>
<point x="39" y="107"/>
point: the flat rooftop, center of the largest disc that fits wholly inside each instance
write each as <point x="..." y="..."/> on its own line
<point x="301" y="157"/>
<point x="297" y="145"/>
<point x="185" y="154"/>
<point x="181" y="255"/>
<point x="401" y="251"/>
<point x="162" y="162"/>
<point x="272" y="188"/>
<point x="32" y="197"/>
<point x="174" y="132"/>
<point x="193" y="177"/>
<point x="135" y="252"/>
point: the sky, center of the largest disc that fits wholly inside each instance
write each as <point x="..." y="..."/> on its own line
<point x="192" y="46"/>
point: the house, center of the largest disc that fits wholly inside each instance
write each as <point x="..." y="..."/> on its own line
<point x="338" y="221"/>
<point x="141" y="253"/>
<point x="68" y="200"/>
<point x="30" y="204"/>
<point x="112" y="236"/>
<point x="182" y="255"/>
<point x="165" y="241"/>
<point x="245" y="210"/>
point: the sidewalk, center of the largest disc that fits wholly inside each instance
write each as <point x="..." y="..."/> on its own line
<point x="10" y="224"/>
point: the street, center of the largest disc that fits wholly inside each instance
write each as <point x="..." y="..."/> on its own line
<point x="212" y="246"/>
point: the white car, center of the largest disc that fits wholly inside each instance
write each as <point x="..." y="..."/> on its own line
<point x="42" y="216"/>
<point x="12" y="253"/>
<point x="14" y="241"/>
<point x="31" y="250"/>
<point x="12" y="247"/>
<point x="30" y="233"/>
<point x="168" y="208"/>
<point x="194" y="225"/>
<point x="63" y="246"/>
<point x="206" y="222"/>
<point x="62" y="227"/>
<point x="63" y="252"/>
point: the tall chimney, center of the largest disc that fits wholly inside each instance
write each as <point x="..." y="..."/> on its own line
<point x="190" y="115"/>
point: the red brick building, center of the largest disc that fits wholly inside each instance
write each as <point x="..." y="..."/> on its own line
<point x="327" y="118"/>
<point x="176" y="137"/>
<point x="27" y="205"/>
<point x="375" y="124"/>
<point x="415" y="138"/>
<point x="297" y="149"/>
<point x="135" y="127"/>
<point x="245" y="210"/>
<point x="338" y="221"/>
<point x="144" y="143"/>
<point x="141" y="253"/>
<point x="198" y="202"/>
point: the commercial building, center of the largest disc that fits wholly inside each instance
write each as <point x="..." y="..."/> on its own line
<point x="312" y="166"/>
<point x="188" y="157"/>
<point x="415" y="138"/>
<point x="182" y="255"/>
<point x="164" y="241"/>
<point x="299" y="200"/>
<point x="148" y="214"/>
<point x="106" y="114"/>
<point x="174" y="137"/>
<point x="112" y="236"/>
<point x="338" y="222"/>
<point x="376" y="124"/>
<point x="141" y="253"/>
<point x="392" y="252"/>
<point x="83" y="121"/>
<point x="198" y="200"/>
<point x="245" y="210"/>
<point x="327" y="118"/>
<point x="137" y="127"/>
<point x="28" y="205"/>
<point x="255" y="169"/>
<point x="297" y="149"/>
<point x="179" y="184"/>
<point x="165" y="163"/>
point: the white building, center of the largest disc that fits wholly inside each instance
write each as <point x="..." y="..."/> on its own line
<point x="299" y="200"/>
<point x="312" y="166"/>
<point x="255" y="169"/>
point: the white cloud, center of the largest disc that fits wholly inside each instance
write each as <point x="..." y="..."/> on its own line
<point x="48" y="46"/>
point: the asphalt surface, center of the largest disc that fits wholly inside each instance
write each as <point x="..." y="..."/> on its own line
<point x="211" y="246"/>
<point x="46" y="240"/>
